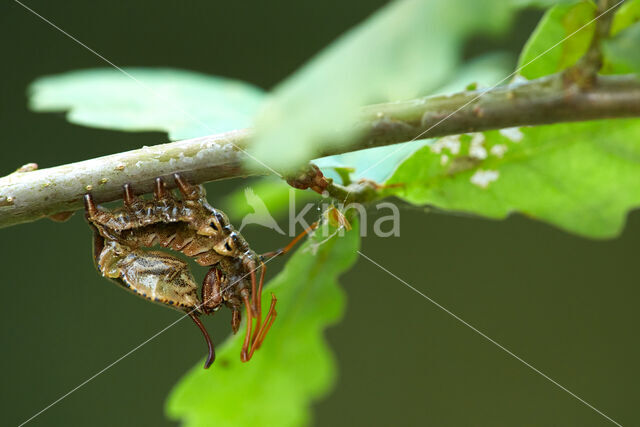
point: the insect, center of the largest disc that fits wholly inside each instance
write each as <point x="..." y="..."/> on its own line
<point x="156" y="276"/>
<point x="194" y="228"/>
<point x="193" y="210"/>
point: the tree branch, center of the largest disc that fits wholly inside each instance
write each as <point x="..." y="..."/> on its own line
<point x="32" y="194"/>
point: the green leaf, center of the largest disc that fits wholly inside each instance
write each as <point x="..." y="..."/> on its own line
<point x="560" y="39"/>
<point x="406" y="49"/>
<point x="361" y="161"/>
<point x="483" y="71"/>
<point x="623" y="51"/>
<point x="294" y="366"/>
<point x="183" y="103"/>
<point x="620" y="52"/>
<point x="626" y="15"/>
<point x="582" y="177"/>
<point x="540" y="3"/>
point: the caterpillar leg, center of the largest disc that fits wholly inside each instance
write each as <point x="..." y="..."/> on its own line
<point x="102" y="222"/>
<point x="119" y="220"/>
<point x="188" y="191"/>
<point x="254" y="309"/>
<point x="200" y="216"/>
<point x="165" y="207"/>
<point x="268" y="321"/>
<point x="160" y="191"/>
<point x="128" y="196"/>
<point x="235" y="320"/>
<point x="256" y="297"/>
<point x="255" y="305"/>
<point x="251" y="345"/>
<point x="244" y="353"/>
<point x="90" y="208"/>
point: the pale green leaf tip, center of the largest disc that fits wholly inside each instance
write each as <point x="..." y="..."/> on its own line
<point x="183" y="103"/>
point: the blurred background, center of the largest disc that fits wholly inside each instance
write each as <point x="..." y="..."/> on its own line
<point x="566" y="305"/>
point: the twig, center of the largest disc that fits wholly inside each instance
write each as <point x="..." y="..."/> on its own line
<point x="30" y="195"/>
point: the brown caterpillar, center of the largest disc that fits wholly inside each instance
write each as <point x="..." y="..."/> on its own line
<point x="193" y="210"/>
<point x="155" y="276"/>
<point x="194" y="228"/>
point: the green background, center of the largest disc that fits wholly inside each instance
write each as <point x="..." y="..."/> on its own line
<point x="564" y="304"/>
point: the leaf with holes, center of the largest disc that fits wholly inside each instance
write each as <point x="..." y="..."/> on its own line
<point x="582" y="177"/>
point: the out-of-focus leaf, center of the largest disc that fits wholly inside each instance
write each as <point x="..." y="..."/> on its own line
<point x="560" y="39"/>
<point x="183" y="103"/>
<point x="626" y="15"/>
<point x="582" y="177"/>
<point x="294" y="366"/>
<point x="275" y="193"/>
<point x="408" y="48"/>
<point x="486" y="70"/>
<point x="539" y="3"/>
<point x="623" y="50"/>
<point x="619" y="57"/>
<point x="362" y="159"/>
